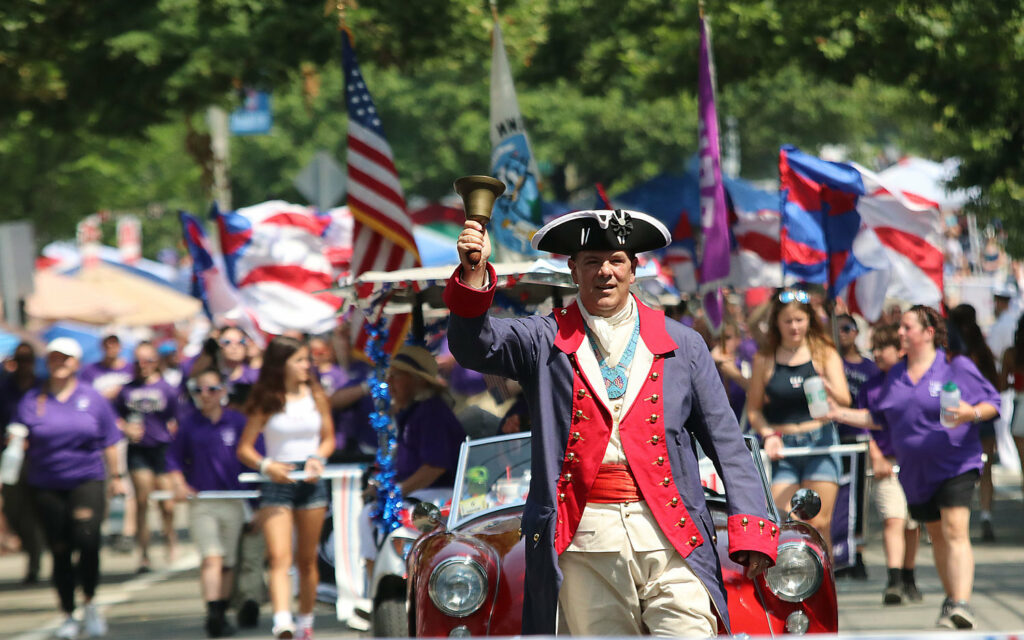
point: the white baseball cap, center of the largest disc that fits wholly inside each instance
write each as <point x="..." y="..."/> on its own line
<point x="65" y="345"/>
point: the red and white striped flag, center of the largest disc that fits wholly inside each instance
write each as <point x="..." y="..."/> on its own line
<point x="382" y="237"/>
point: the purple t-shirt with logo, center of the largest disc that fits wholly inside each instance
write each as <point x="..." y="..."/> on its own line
<point x="102" y="377"/>
<point x="428" y="433"/>
<point x="205" y="452"/>
<point x="156" y="402"/>
<point x="928" y="453"/>
<point x="857" y="373"/>
<point x="66" y="439"/>
<point x="867" y="398"/>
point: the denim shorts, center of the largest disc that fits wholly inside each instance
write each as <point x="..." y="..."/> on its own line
<point x="801" y="469"/>
<point x="297" y="495"/>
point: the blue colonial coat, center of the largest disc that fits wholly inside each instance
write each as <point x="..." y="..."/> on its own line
<point x="689" y="407"/>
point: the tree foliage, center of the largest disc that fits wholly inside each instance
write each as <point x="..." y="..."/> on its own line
<point x="99" y="102"/>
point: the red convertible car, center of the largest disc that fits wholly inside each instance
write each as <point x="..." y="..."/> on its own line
<point x="466" y="575"/>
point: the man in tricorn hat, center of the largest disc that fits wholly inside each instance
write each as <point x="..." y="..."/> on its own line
<point x="619" y="540"/>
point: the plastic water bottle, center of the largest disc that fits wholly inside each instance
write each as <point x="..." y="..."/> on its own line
<point x="14" y="454"/>
<point x="949" y="402"/>
<point x="817" y="400"/>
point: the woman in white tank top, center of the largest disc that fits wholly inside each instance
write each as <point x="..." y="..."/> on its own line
<point x="288" y="406"/>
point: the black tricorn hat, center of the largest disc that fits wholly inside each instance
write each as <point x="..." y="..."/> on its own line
<point x="602" y="230"/>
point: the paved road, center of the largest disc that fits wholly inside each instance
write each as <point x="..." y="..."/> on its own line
<point x="165" y="604"/>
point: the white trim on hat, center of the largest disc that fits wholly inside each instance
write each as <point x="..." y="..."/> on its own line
<point x="602" y="216"/>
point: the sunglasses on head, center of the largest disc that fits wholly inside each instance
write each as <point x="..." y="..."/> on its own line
<point x="789" y="295"/>
<point x="211" y="389"/>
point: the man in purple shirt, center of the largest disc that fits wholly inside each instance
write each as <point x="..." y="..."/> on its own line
<point x="202" y="458"/>
<point x="111" y="373"/>
<point x="429" y="436"/>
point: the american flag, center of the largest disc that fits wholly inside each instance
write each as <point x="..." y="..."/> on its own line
<point x="382" y="234"/>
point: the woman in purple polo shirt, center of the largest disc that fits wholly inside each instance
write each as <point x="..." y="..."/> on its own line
<point x="290" y="409"/>
<point x="939" y="466"/>
<point x="71" y="452"/>
<point x="147" y="407"/>
<point x="202" y="458"/>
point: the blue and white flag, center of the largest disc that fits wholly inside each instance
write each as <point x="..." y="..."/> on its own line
<point x="517" y="213"/>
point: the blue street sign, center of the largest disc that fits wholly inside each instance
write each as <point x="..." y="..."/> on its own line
<point x="253" y="117"/>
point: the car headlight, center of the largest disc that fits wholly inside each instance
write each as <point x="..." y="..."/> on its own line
<point x="458" y="586"/>
<point x="797" y="573"/>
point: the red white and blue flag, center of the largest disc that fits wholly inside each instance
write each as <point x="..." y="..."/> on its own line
<point x="844" y="228"/>
<point x="713" y="248"/>
<point x="221" y="300"/>
<point x="382" y="237"/>
<point x="276" y="257"/>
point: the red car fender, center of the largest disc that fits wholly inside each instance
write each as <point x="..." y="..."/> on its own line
<point x="748" y="615"/>
<point x="490" y="543"/>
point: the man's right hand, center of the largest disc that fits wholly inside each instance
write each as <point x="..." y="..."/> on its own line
<point x="474" y="237"/>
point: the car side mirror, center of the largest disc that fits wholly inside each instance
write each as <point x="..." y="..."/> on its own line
<point x="426" y="516"/>
<point x="805" y="505"/>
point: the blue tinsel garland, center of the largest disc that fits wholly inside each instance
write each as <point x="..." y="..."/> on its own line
<point x="389" y="494"/>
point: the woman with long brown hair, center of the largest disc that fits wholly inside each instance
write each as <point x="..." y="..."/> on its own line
<point x="797" y="348"/>
<point x="288" y="406"/>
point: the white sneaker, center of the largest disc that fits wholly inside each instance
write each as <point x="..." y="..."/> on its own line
<point x="95" y="625"/>
<point x="284" y="631"/>
<point x="68" y="630"/>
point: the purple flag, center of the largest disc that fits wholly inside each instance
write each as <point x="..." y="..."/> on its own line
<point x="713" y="249"/>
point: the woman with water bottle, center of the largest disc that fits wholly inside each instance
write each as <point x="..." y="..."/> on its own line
<point x="72" y="433"/>
<point x="932" y="406"/>
<point x="795" y="372"/>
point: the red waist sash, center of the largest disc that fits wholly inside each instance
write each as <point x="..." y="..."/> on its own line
<point x="614" y="483"/>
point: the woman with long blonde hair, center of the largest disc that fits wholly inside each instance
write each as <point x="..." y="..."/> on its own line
<point x="797" y="347"/>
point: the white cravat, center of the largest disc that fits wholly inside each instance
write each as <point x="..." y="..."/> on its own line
<point x="613" y="333"/>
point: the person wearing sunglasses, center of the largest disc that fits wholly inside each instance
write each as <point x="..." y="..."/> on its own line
<point x="228" y="351"/>
<point x="858" y="370"/>
<point x="202" y="458"/>
<point x="147" y="408"/>
<point x="797" y="348"/>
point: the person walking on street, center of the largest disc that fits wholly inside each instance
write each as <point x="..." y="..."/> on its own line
<point x="147" y="406"/>
<point x="900" y="532"/>
<point x="16" y="498"/>
<point x="939" y="465"/>
<point x="619" y="540"/>
<point x="202" y="458"/>
<point x="797" y="348"/>
<point x="288" y="406"/>
<point x="71" y="453"/>
<point x="970" y="342"/>
<point x="1013" y="378"/>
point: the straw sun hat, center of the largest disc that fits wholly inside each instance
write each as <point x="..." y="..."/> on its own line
<point x="419" y="362"/>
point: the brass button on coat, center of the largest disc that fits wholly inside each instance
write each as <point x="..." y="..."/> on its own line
<point x="682" y="522"/>
<point x="654" y="418"/>
<point x="654" y="376"/>
<point x="536" y="537"/>
<point x="666" y="481"/>
<point x="655" y="439"/>
<point x="579" y="413"/>
<point x="660" y="461"/>
<point x="675" y="501"/>
<point x="654" y="398"/>
<point x="581" y="394"/>
<point x="693" y="541"/>
<point x="572" y="457"/>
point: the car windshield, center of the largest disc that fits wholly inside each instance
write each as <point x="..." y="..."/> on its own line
<point x="494" y="473"/>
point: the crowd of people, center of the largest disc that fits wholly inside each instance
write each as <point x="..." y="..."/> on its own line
<point x="924" y="467"/>
<point x="160" y="418"/>
<point x="155" y="419"/>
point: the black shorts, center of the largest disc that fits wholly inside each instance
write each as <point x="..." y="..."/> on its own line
<point x="955" y="492"/>
<point x="148" y="458"/>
